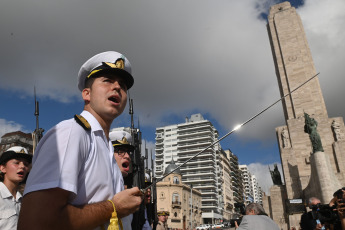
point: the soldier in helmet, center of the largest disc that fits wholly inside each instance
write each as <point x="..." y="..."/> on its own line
<point x="161" y="221"/>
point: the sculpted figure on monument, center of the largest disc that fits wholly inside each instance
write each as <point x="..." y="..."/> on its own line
<point x="275" y="174"/>
<point x="286" y="138"/>
<point x="336" y="130"/>
<point x="310" y="127"/>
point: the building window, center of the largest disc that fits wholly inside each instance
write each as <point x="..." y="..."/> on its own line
<point x="176" y="180"/>
<point x="176" y="198"/>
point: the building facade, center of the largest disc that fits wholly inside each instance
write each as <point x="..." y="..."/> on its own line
<point x="181" y="142"/>
<point x="236" y="178"/>
<point x="182" y="201"/>
<point x="227" y="199"/>
<point x="247" y="185"/>
<point x="257" y="191"/>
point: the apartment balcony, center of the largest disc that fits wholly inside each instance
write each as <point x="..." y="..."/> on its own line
<point x="211" y="200"/>
<point x="193" y="134"/>
<point x="176" y="204"/>
<point x="198" y="164"/>
<point x="200" y="179"/>
<point x="192" y="153"/>
<point x="198" y="173"/>
<point x="194" y="126"/>
<point x="209" y="206"/>
<point x="159" y="154"/>
<point x="199" y="144"/>
<point x="208" y="191"/>
<point x="190" y="167"/>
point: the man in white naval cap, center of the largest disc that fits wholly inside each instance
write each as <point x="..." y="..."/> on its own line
<point x="75" y="182"/>
<point x="123" y="149"/>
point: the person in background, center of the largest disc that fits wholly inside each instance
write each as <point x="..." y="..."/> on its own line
<point x="308" y="220"/>
<point x="256" y="218"/>
<point x="122" y="153"/>
<point x="167" y="214"/>
<point x="14" y="167"/>
<point x="161" y="221"/>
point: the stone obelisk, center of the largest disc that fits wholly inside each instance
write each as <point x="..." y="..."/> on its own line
<point x="306" y="173"/>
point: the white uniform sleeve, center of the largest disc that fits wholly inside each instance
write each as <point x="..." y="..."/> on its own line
<point x="59" y="158"/>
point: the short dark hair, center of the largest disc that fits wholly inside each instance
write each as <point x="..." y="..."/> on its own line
<point x="89" y="82"/>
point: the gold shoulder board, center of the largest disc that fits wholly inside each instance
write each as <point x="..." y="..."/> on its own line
<point x="82" y="122"/>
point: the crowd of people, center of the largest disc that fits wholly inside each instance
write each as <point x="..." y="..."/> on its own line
<point x="76" y="178"/>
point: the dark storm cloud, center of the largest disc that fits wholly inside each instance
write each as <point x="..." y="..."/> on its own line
<point x="210" y="56"/>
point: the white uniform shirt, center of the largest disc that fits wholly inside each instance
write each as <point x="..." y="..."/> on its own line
<point x="9" y="208"/>
<point x="76" y="160"/>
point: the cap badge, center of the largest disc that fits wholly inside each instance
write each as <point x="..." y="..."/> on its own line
<point x="118" y="64"/>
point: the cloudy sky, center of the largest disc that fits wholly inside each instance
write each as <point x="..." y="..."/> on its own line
<point x="196" y="56"/>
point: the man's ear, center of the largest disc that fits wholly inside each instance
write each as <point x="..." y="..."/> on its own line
<point x="86" y="94"/>
<point x="2" y="169"/>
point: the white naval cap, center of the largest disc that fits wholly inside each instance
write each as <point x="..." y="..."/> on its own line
<point x="110" y="61"/>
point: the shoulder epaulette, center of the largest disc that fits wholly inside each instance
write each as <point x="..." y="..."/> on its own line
<point x="82" y="122"/>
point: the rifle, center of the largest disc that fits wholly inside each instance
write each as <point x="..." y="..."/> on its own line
<point x="137" y="176"/>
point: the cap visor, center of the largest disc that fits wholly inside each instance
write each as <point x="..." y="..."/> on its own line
<point x="128" y="78"/>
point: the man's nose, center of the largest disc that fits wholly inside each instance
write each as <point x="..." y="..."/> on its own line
<point x="116" y="85"/>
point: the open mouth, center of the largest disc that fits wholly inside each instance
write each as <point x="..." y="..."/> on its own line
<point x="114" y="99"/>
<point x="21" y="173"/>
<point x="125" y="166"/>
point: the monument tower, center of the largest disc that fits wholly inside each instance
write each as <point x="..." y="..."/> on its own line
<point x="307" y="172"/>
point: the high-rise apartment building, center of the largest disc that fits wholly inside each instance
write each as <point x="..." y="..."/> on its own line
<point x="247" y="184"/>
<point x="228" y="204"/>
<point x="182" y="141"/>
<point x="236" y="178"/>
<point x="257" y="191"/>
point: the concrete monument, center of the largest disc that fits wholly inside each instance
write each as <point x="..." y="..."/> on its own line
<point x="312" y="145"/>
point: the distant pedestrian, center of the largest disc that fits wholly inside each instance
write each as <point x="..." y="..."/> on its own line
<point x="161" y="221"/>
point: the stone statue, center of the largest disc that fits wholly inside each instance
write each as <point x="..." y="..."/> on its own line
<point x="336" y="130"/>
<point x="275" y="174"/>
<point x="286" y="138"/>
<point x="310" y="127"/>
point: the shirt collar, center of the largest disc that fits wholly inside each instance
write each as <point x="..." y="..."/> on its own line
<point x="5" y="193"/>
<point x="95" y="126"/>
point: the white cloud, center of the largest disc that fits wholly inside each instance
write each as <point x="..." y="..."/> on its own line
<point x="9" y="126"/>
<point x="215" y="60"/>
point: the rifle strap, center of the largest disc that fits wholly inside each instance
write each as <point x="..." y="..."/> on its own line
<point x="114" y="220"/>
